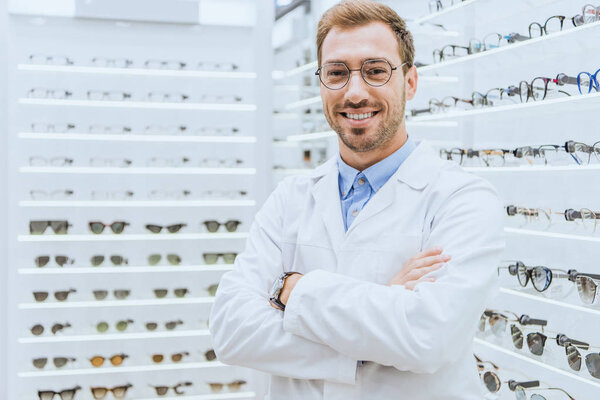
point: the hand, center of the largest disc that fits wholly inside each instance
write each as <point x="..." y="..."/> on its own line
<point x="415" y="269"/>
<point x="288" y="286"/>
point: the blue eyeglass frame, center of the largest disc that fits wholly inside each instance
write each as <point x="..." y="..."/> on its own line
<point x="593" y="81"/>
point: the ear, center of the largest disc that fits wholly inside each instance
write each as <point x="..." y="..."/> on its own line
<point x="410" y="80"/>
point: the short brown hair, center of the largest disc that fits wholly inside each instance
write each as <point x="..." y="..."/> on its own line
<point x="354" y="13"/>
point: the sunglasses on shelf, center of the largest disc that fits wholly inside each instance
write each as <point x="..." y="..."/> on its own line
<point x="38" y="329"/>
<point x="60" y="227"/>
<point x="60" y="295"/>
<point x="492" y="381"/>
<point x="213" y="226"/>
<point x="49" y="59"/>
<point x="165" y="129"/>
<point x="42" y="261"/>
<point x="234" y="386"/>
<point x="47" y="93"/>
<point x="109" y="129"/>
<point x="116" y="360"/>
<point x="108" y="95"/>
<point x="121" y="325"/>
<point x="521" y="394"/>
<point x="168" y="194"/>
<point x="212" y="289"/>
<point x="210" y="355"/>
<point x="58" y="362"/>
<point x="164" y="64"/>
<point x="170" y="228"/>
<point x="118" y="392"/>
<point x="59" y="194"/>
<point x="212" y="258"/>
<point x="111" y="195"/>
<point x="169" y="325"/>
<point x="176" y="357"/>
<point x="98" y="259"/>
<point x="173" y="259"/>
<point x="540" y="277"/>
<point x="112" y="162"/>
<point x="97" y="227"/>
<point x="163" y="389"/>
<point x="179" y="292"/>
<point x="497" y="321"/>
<point x="119" y="294"/>
<point x="66" y="394"/>
<point x="587" y="287"/>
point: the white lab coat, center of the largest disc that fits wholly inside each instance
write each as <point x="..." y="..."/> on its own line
<point x="417" y="344"/>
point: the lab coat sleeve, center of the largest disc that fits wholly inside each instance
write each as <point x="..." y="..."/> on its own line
<point x="247" y="331"/>
<point x="420" y="330"/>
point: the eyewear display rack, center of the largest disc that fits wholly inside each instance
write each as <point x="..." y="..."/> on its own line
<point x="146" y="123"/>
<point x="559" y="245"/>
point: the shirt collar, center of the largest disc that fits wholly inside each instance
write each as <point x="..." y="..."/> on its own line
<point x="377" y="174"/>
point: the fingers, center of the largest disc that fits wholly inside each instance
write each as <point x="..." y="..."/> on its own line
<point x="412" y="284"/>
<point x="418" y="273"/>
<point x="431" y="260"/>
<point x="433" y="251"/>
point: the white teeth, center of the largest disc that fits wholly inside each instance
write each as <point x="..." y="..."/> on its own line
<point x="358" y="117"/>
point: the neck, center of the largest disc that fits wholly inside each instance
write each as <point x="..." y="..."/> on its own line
<point x="363" y="160"/>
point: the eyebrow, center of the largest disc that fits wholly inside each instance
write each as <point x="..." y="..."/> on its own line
<point x="362" y="60"/>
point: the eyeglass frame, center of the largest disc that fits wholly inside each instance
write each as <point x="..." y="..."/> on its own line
<point x="392" y="69"/>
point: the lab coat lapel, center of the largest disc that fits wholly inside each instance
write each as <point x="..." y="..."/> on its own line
<point x="327" y="202"/>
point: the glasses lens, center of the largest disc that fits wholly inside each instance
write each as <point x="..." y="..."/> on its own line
<point x="100" y="294"/>
<point x="160" y="293"/>
<point x="492" y="41"/>
<point x="498" y="324"/>
<point x="180" y="292"/>
<point x="59" y="327"/>
<point x="175" y="228"/>
<point x="154" y="259"/>
<point x="585" y="82"/>
<point x="573" y="357"/>
<point x="232" y="226"/>
<point x="154" y="228"/>
<point x="151" y="326"/>
<point x="37" y="330"/>
<point x="334" y="75"/>
<point x="96" y="227"/>
<point x="491" y="381"/>
<point x="236" y="385"/>
<point x="211" y="226"/>
<point x="61" y="260"/>
<point x="37" y="227"/>
<point x="157" y="358"/>
<point x="520" y="393"/>
<point x="172" y="325"/>
<point x="62" y="295"/>
<point x="592" y="361"/>
<point x="121" y="293"/>
<point x="176" y="357"/>
<point x="229" y="258"/>
<point x="212" y="289"/>
<point x="541" y="278"/>
<point x="60" y="362"/>
<point x="376" y="72"/>
<point x="117" y="360"/>
<point x="122" y="325"/>
<point x="46" y="395"/>
<point x="535" y="342"/>
<point x="40" y="362"/>
<point x="161" y="390"/>
<point x="120" y="391"/>
<point x="102" y="326"/>
<point x="586" y="288"/>
<point x="68" y="394"/>
<point x="535" y="30"/>
<point x="210" y="355"/>
<point x="40" y="296"/>
<point x="554" y="24"/>
<point x="517" y="336"/>
<point x="41" y="261"/>
<point x="216" y="387"/>
<point x="97" y="361"/>
<point x="117" y="227"/>
<point x="522" y="275"/>
<point x="589" y="14"/>
<point x="173" y="259"/>
<point x="99" y="393"/>
<point x="59" y="227"/>
<point x="97" y="260"/>
<point x="117" y="260"/>
<point x="538" y="89"/>
<point x="210" y="258"/>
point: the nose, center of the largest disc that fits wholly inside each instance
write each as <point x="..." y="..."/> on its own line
<point x="356" y="88"/>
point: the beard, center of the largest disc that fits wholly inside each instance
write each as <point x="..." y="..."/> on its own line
<point x="356" y="139"/>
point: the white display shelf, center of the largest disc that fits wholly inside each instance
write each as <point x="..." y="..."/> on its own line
<point x="132" y="237"/>
<point x="445" y="12"/>
<point x="145" y="269"/>
<point x="553" y="235"/>
<point x="303" y="103"/>
<point x="137" y="138"/>
<point x="139" y="170"/>
<point x="568" y="105"/>
<point x="139" y="105"/>
<point x="136" y="72"/>
<point x="99" y="337"/>
<point x="497" y="58"/>
<point x="555" y="303"/>
<point x="535" y="168"/>
<point x="123" y="369"/>
<point x="536" y="363"/>
<point x="309" y="67"/>
<point x="292" y="171"/>
<point x="136" y="204"/>
<point x="115" y="303"/>
<point x="213" y="396"/>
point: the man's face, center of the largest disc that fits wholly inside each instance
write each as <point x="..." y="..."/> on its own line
<point x="386" y="103"/>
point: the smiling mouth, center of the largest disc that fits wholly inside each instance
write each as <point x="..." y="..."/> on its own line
<point x="359" y="117"/>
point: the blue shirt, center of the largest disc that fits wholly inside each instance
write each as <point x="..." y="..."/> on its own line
<point x="357" y="188"/>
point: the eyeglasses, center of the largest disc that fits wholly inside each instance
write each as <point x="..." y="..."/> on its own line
<point x="167" y="162"/>
<point x="221" y="163"/>
<point x="41" y="127"/>
<point x="111" y="95"/>
<point x="97" y="227"/>
<point x="497" y="321"/>
<point x="66" y="394"/>
<point x="208" y="131"/>
<point x="586" y="82"/>
<point x="210" y="355"/>
<point x="213" y="226"/>
<point x="161" y="293"/>
<point x="167" y="97"/>
<point x="220" y="98"/>
<point x="121" y="326"/>
<point x="170" y="325"/>
<point x="170" y="228"/>
<point x="164" y="64"/>
<point x="530" y="214"/>
<point x="375" y="73"/>
<point x="118" y="392"/>
<point x="589" y="14"/>
<point x="169" y="194"/>
<point x="489" y="157"/>
<point x="176" y="357"/>
<point x="165" y="129"/>
<point x="49" y="60"/>
<point x="437" y="5"/>
<point x="38" y="329"/>
<point x="212" y="289"/>
<point x="581" y="152"/>
<point x="58" y="362"/>
<point x="232" y="386"/>
<point x="60" y="295"/>
<point x="223" y="194"/>
<point x="54" y="161"/>
<point x="116" y="360"/>
<point x="212" y="258"/>
<point x="42" y="261"/>
<point x="97" y="260"/>
<point x="539" y="87"/>
<point x="216" y="66"/>
<point x="173" y="259"/>
<point x="120" y="294"/>
<point x="55" y="194"/>
<point x="162" y="390"/>
<point x="109" y="129"/>
<point x="493" y="383"/>
<point x="552" y="25"/>
<point x="522" y="395"/>
<point x="539" y="276"/>
<point x="43" y="93"/>
<point x="111" y="195"/>
<point x="110" y="162"/>
<point x="587" y="287"/>
<point x="588" y="217"/>
<point x="111" y="62"/>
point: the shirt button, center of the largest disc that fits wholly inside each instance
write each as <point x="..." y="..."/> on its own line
<point x="361" y="181"/>
<point x="354" y="213"/>
<point x="344" y="193"/>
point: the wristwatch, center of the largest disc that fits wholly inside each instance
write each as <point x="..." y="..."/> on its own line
<point x="276" y="290"/>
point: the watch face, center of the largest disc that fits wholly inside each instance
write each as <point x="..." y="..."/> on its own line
<point x="276" y="288"/>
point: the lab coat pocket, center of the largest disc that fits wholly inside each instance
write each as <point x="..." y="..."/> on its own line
<point x="304" y="258"/>
<point x="392" y="259"/>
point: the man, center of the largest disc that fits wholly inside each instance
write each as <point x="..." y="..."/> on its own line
<point x="352" y="322"/>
